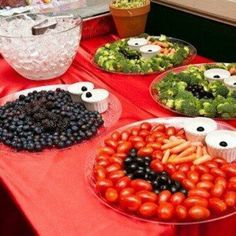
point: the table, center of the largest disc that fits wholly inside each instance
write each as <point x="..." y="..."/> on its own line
<point x="51" y="189"/>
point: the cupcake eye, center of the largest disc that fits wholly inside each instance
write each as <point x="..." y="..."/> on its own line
<point x="150" y="50"/>
<point x="216" y="76"/>
<point x="223" y="144"/>
<point x="84" y="89"/>
<point x="234" y="83"/>
<point x="88" y="95"/>
<point x="136" y="44"/>
<point x="200" y="129"/>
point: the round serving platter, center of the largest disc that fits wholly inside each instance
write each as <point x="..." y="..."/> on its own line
<point x="177" y="122"/>
<point x="154" y="93"/>
<point x="110" y="117"/>
<point x="191" y="56"/>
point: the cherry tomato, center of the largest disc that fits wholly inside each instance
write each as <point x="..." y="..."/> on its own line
<point x="170" y="168"/>
<point x="184" y="167"/>
<point x="103" y="184"/>
<point x="143" y="133"/>
<point x="181" y="133"/>
<point x="177" y="198"/>
<point x="111" y="195"/>
<point x="148" y="209"/>
<point x="222" y="181"/>
<point x="102" y="157"/>
<point x="220" y="161"/>
<point x="150" y="139"/>
<point x="200" y="192"/>
<point x="135" y="139"/>
<point x="140" y="184"/>
<point x="130" y="203"/>
<point x="232" y="180"/>
<point x="147" y="196"/>
<point x="232" y="186"/>
<point x="205" y="184"/>
<point x="157" y="134"/>
<point x="188" y="184"/>
<point x="117" y="160"/>
<point x="145" y="151"/>
<point x="217" y="190"/>
<point x="159" y="127"/>
<point x="164" y="196"/>
<point x="115" y="135"/>
<point x="154" y="146"/>
<point x="157" y="154"/>
<point x="103" y="163"/>
<point x="217" y="205"/>
<point x="122" y="183"/>
<point x="170" y="131"/>
<point x="135" y="131"/>
<point x="139" y="145"/>
<point x="124" y="147"/>
<point x="111" y="143"/>
<point x="202" y="169"/>
<point x="195" y="201"/>
<point x="125" y="135"/>
<point x="211" y="164"/>
<point x="113" y="167"/>
<point x="146" y="126"/>
<point x="126" y="192"/>
<point x="181" y="212"/>
<point x="120" y="155"/>
<point x="199" y="213"/>
<point x="116" y="175"/>
<point x="207" y="177"/>
<point x="178" y="175"/>
<point x="230" y="169"/>
<point x="230" y="198"/>
<point x="217" y="172"/>
<point x="193" y="176"/>
<point x="165" y="211"/>
<point x="105" y="150"/>
<point x="157" y="166"/>
<point x="100" y="173"/>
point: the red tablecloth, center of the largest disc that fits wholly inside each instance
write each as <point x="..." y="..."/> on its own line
<point x="51" y="189"/>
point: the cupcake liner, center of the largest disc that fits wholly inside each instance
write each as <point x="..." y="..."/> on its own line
<point x="195" y="137"/>
<point x="228" y="154"/>
<point x="76" y="98"/>
<point x="100" y="106"/>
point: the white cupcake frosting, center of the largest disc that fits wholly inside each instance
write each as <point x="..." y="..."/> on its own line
<point x="216" y="74"/>
<point x="222" y="139"/>
<point x="80" y="87"/>
<point x="230" y="82"/>
<point x="95" y="95"/>
<point x="136" y="43"/>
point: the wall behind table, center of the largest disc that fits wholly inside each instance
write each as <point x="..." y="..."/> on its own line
<point x="212" y="39"/>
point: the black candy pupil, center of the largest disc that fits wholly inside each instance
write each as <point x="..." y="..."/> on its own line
<point x="150" y="50"/>
<point x="84" y="89"/>
<point x="216" y="76"/>
<point x="136" y="43"/>
<point x="200" y="129"/>
<point x="234" y="83"/>
<point x="88" y="95"/>
<point x="223" y="144"/>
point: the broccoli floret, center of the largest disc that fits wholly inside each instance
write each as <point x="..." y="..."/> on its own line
<point x="218" y="88"/>
<point x="227" y="107"/>
<point x="168" y="93"/>
<point x="215" y="65"/>
<point x="179" y="56"/>
<point x="181" y="85"/>
<point x="170" y="103"/>
<point x="209" y="109"/>
<point x="232" y="94"/>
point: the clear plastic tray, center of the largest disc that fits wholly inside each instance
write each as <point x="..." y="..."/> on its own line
<point x="177" y="122"/>
<point x="192" y="55"/>
<point x="110" y="117"/>
<point x="154" y="93"/>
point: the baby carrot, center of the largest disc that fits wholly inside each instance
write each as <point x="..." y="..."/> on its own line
<point x="187" y="152"/>
<point x="166" y="156"/>
<point x="197" y="143"/>
<point x="171" y="144"/>
<point x="189" y="158"/>
<point x="202" y="159"/>
<point x="172" y="157"/>
<point x="181" y="147"/>
<point x="199" y="152"/>
<point x="204" y="151"/>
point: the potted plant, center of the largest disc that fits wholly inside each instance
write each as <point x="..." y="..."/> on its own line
<point x="130" y="16"/>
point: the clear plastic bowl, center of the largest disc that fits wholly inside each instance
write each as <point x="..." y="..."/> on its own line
<point x="39" y="57"/>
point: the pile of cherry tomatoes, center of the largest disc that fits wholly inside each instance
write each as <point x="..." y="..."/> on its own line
<point x="211" y="186"/>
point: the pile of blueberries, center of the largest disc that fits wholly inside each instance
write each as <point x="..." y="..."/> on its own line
<point x="46" y="119"/>
<point x="137" y="167"/>
<point x="198" y="91"/>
